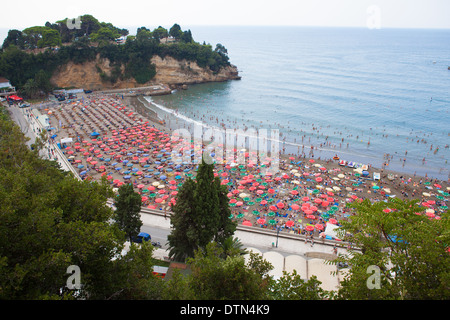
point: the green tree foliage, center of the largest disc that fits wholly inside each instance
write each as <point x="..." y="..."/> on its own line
<point x="50" y="38"/>
<point x="49" y="221"/>
<point x="408" y="249"/>
<point x="133" y="57"/>
<point x="105" y="35"/>
<point x="292" y="287"/>
<point x="216" y="278"/>
<point x="175" y="31"/>
<point x="200" y="215"/>
<point x="159" y="33"/>
<point x="16" y="38"/>
<point x="127" y="214"/>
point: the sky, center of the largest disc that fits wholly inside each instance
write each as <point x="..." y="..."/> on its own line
<point x="151" y="13"/>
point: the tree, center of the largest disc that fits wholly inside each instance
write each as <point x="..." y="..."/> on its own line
<point x="104" y="34"/>
<point x="187" y="37"/>
<point x="233" y="246"/>
<point x="31" y="89"/>
<point x="51" y="221"/>
<point x="200" y="215"/>
<point x="220" y="49"/>
<point x="33" y="35"/>
<point x="42" y="80"/>
<point x="160" y="33"/>
<point x="175" y="31"/>
<point x="292" y="287"/>
<point x="400" y="253"/>
<point x="50" y="38"/>
<point x="128" y="207"/>
<point x="215" y="278"/>
<point x="14" y="37"/>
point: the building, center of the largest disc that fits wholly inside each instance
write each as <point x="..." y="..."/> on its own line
<point x="43" y="119"/>
<point x="6" y="88"/>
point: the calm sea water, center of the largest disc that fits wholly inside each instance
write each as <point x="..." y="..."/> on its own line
<point x="361" y="94"/>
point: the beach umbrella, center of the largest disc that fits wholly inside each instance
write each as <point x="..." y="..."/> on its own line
<point x="295" y="207"/>
<point x="310" y="216"/>
<point x="319" y="226"/>
<point x="332" y="221"/>
<point x="261" y="221"/>
<point x="309" y="227"/>
<point x="289" y="223"/>
<point x="280" y="205"/>
<point x="247" y="223"/>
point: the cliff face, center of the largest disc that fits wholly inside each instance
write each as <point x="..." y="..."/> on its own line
<point x="169" y="71"/>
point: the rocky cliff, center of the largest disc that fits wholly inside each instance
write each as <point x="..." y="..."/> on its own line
<point x="169" y="71"/>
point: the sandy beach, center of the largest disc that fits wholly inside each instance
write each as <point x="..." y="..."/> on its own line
<point x="118" y="138"/>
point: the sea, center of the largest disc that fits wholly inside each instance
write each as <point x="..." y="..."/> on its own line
<point x="372" y="96"/>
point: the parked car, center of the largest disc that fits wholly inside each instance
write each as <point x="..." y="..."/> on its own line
<point x="141" y="237"/>
<point x="24" y="105"/>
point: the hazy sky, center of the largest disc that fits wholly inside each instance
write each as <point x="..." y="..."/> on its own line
<point x="151" y="13"/>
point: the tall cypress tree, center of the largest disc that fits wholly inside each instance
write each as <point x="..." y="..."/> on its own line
<point x="128" y="207"/>
<point x="200" y="214"/>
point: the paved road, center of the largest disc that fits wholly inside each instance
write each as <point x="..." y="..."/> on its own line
<point x="159" y="228"/>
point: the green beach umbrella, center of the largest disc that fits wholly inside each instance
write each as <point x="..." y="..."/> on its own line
<point x="255" y="212"/>
<point x="272" y="222"/>
<point x="239" y="216"/>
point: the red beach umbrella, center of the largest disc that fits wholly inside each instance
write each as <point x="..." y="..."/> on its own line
<point x="332" y="221"/>
<point x="280" y="205"/>
<point x="289" y="223"/>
